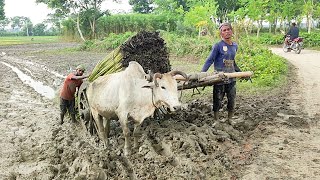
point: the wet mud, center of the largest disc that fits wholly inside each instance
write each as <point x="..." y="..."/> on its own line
<point x="189" y="144"/>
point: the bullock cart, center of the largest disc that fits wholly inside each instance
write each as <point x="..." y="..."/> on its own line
<point x="193" y="81"/>
<point x="84" y="110"/>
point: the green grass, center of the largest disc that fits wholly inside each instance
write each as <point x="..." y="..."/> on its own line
<point x="15" y="40"/>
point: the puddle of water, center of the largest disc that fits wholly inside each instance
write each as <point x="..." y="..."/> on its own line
<point x="46" y="69"/>
<point x="33" y="64"/>
<point x="36" y="85"/>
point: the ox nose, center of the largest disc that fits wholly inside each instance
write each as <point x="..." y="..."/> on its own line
<point x="176" y="108"/>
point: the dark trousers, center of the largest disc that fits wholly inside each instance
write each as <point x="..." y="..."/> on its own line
<point x="67" y="105"/>
<point x="218" y="94"/>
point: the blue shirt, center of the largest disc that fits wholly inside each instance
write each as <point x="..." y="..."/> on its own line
<point x="222" y="57"/>
<point x="293" y="32"/>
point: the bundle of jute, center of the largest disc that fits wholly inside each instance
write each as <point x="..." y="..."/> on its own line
<point x="147" y="48"/>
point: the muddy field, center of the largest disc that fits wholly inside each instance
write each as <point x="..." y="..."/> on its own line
<point x="188" y="145"/>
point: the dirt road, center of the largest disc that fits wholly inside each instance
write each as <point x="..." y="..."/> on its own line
<point x="294" y="153"/>
<point x="273" y="135"/>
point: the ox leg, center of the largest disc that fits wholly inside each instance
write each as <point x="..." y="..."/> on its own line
<point x="107" y="128"/>
<point x="136" y="134"/>
<point x="124" y="124"/>
<point x="101" y="130"/>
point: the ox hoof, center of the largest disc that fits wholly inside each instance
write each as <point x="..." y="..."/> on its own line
<point x="106" y="144"/>
<point x="136" y="144"/>
<point x="126" y="152"/>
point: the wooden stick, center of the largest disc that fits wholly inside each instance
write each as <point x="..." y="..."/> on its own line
<point x="199" y="80"/>
<point x="204" y="76"/>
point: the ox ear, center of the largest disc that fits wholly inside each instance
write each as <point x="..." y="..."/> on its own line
<point x="149" y="85"/>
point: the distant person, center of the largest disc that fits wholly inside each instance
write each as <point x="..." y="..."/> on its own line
<point x="67" y="93"/>
<point x="293" y="31"/>
<point x="222" y="57"/>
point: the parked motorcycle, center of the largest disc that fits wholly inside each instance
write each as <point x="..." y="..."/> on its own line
<point x="296" y="44"/>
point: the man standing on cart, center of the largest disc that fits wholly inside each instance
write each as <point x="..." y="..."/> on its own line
<point x="222" y="57"/>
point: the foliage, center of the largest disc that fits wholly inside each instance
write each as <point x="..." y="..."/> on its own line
<point x="268" y="68"/>
<point x="19" y="21"/>
<point x="13" y="40"/>
<point x="170" y="6"/>
<point x="225" y="7"/>
<point x="39" y="29"/>
<point x="88" y="19"/>
<point x="69" y="29"/>
<point x="13" y="34"/>
<point x="134" y="22"/>
<point x="89" y="10"/>
<point x="184" y="30"/>
<point x="141" y="6"/>
<point x="183" y="45"/>
<point x="200" y="13"/>
<point x="268" y="39"/>
<point x="309" y="39"/>
<point x="2" y="14"/>
<point x="4" y="23"/>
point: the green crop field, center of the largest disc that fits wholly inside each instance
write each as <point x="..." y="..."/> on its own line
<point x="13" y="40"/>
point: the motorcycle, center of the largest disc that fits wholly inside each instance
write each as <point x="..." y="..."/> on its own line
<point x="296" y="44"/>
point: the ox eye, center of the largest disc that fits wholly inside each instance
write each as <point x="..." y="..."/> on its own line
<point x="162" y="87"/>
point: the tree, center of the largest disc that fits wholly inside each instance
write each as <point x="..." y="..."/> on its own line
<point x="199" y="15"/>
<point x="55" y="19"/>
<point x="17" y="22"/>
<point x="28" y="27"/>
<point x="309" y="10"/>
<point x="89" y="10"/>
<point x="255" y="11"/>
<point x="225" y="7"/>
<point x="22" y="23"/>
<point x="2" y="15"/>
<point x="39" y="29"/>
<point x="4" y="23"/>
<point x="141" y="6"/>
<point x="170" y="5"/>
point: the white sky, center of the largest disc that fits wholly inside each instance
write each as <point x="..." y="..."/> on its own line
<point x="38" y="12"/>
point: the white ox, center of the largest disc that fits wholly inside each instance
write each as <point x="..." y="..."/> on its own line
<point x="128" y="94"/>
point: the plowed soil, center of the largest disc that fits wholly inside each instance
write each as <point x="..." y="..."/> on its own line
<point x="273" y="135"/>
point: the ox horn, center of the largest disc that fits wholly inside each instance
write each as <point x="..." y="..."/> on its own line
<point x="155" y="76"/>
<point x="148" y="76"/>
<point x="173" y="73"/>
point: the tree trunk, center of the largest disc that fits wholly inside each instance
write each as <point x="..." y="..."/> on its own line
<point x="78" y="27"/>
<point x="309" y="23"/>
<point x="93" y="28"/>
<point x="275" y="26"/>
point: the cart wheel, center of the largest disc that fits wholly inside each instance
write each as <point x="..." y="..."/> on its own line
<point x="85" y="116"/>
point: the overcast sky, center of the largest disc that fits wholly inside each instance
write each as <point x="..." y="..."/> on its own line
<point x="38" y="12"/>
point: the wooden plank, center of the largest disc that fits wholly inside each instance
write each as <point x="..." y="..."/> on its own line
<point x="203" y="76"/>
<point x="208" y="79"/>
